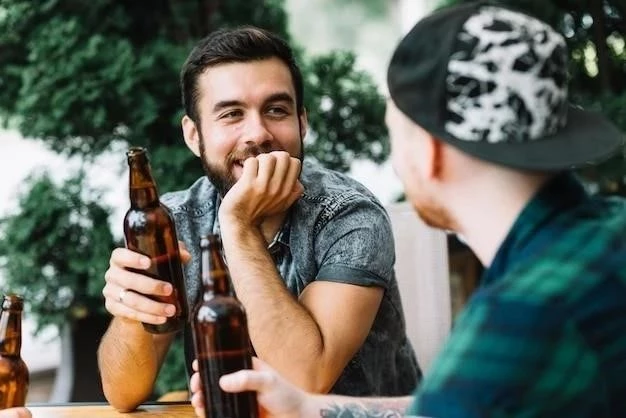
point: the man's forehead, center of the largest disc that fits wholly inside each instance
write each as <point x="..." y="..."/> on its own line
<point x="264" y="80"/>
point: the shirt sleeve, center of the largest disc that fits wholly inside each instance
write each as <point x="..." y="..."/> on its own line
<point x="356" y="245"/>
<point x="508" y="358"/>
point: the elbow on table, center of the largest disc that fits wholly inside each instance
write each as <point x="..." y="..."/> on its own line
<point x="315" y="380"/>
<point x="123" y="401"/>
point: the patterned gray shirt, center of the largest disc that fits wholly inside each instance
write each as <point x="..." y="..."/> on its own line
<point x="337" y="231"/>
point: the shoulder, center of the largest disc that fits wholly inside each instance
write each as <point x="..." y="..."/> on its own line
<point x="195" y="201"/>
<point x="328" y="193"/>
<point x="582" y="251"/>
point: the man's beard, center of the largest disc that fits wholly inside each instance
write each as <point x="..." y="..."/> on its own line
<point x="435" y="215"/>
<point x="221" y="176"/>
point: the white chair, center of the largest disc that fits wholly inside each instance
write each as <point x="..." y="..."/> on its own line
<point x="423" y="278"/>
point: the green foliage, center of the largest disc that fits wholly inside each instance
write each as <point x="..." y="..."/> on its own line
<point x="52" y="251"/>
<point x="347" y="117"/>
<point x="373" y="9"/>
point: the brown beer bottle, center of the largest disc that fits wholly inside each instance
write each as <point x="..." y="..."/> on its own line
<point x="220" y="334"/>
<point x="149" y="229"/>
<point x="13" y="370"/>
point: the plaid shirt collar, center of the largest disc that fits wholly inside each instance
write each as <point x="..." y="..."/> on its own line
<point x="525" y="237"/>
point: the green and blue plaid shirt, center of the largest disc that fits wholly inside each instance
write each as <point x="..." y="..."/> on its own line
<point x="545" y="334"/>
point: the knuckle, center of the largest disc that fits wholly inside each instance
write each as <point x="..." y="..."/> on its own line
<point x="108" y="275"/>
<point x="284" y="156"/>
<point x="107" y="306"/>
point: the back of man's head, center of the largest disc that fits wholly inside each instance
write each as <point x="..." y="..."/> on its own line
<point x="492" y="82"/>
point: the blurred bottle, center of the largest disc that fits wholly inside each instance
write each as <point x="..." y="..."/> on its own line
<point x="220" y="334"/>
<point x="149" y="229"/>
<point x="13" y="371"/>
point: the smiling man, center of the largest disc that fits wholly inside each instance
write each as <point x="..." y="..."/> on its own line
<point x="310" y="251"/>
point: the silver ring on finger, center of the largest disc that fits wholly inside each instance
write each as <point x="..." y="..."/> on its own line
<point x="121" y="295"/>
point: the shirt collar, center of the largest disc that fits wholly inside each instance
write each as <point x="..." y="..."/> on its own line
<point x="553" y="198"/>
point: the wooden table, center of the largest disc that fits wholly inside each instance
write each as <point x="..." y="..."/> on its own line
<point x="100" y="410"/>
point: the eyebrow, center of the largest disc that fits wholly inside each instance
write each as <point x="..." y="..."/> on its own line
<point x="276" y="97"/>
<point x="280" y="97"/>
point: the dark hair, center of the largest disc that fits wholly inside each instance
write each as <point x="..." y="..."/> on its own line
<point x="242" y="44"/>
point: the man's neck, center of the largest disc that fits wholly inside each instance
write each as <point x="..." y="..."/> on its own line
<point x="486" y="218"/>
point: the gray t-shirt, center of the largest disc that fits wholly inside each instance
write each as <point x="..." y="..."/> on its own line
<point x="337" y="231"/>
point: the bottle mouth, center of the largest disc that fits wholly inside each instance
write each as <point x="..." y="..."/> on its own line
<point x="135" y="151"/>
<point x="12" y="301"/>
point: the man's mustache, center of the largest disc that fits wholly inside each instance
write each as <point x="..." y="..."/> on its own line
<point x="250" y="151"/>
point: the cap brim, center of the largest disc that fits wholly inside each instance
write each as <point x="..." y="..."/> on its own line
<point x="588" y="138"/>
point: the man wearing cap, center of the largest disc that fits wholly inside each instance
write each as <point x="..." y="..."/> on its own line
<point x="484" y="140"/>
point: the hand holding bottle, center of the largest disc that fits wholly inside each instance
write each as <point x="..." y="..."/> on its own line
<point x="132" y="295"/>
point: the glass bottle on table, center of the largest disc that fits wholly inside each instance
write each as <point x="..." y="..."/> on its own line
<point x="149" y="229"/>
<point x="14" y="376"/>
<point x="220" y="334"/>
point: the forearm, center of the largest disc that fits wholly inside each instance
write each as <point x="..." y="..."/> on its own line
<point x="129" y="359"/>
<point x="332" y="406"/>
<point x="283" y="333"/>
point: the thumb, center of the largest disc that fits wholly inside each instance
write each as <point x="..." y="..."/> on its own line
<point x="185" y="255"/>
<point x="247" y="380"/>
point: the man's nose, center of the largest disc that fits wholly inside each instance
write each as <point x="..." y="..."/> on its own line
<point x="257" y="132"/>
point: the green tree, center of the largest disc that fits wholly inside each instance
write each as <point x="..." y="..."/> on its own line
<point x="52" y="250"/>
<point x="79" y="75"/>
<point x="595" y="32"/>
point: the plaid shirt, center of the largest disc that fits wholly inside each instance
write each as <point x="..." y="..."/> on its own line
<point x="545" y="335"/>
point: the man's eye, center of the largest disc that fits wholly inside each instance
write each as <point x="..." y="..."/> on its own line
<point x="277" y="111"/>
<point x="231" y="114"/>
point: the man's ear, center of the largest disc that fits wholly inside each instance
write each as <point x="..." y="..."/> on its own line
<point x="433" y="157"/>
<point x="304" y="123"/>
<point x="191" y="135"/>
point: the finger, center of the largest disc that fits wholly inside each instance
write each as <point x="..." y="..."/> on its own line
<point x="250" y="170"/>
<point x="283" y="161"/>
<point x="185" y="255"/>
<point x="128" y="312"/>
<point x="142" y="303"/>
<point x="281" y="171"/>
<point x="137" y="282"/>
<point x="17" y="412"/>
<point x="247" y="380"/>
<point x="267" y="163"/>
<point x="194" y="365"/>
<point x="294" y="194"/>
<point x="197" y="401"/>
<point x="293" y="174"/>
<point x="124" y="257"/>
<point x="117" y="299"/>
<point x="194" y="383"/>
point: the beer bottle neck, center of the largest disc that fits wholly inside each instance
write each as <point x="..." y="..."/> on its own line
<point x="10" y="333"/>
<point x="142" y="187"/>
<point x="215" y="277"/>
<point x="144" y="197"/>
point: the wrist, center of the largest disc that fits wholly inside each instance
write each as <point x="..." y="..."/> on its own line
<point x="129" y="326"/>
<point x="232" y="226"/>
<point x="314" y="405"/>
